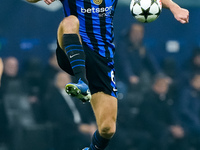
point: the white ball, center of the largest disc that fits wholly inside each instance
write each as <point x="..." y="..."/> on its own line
<point x="146" y="10"/>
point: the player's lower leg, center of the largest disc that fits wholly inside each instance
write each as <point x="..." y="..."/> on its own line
<point x="98" y="142"/>
<point x="68" y="39"/>
<point x="76" y="55"/>
<point x="105" y="110"/>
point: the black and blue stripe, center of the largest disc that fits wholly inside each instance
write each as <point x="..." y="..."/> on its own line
<point x="96" y="23"/>
<point x="75" y="55"/>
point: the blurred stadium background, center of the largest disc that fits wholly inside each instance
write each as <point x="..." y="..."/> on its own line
<point x="30" y="30"/>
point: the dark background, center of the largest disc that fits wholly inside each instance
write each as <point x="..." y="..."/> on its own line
<point x="29" y="31"/>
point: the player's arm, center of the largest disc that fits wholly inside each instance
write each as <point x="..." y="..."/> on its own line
<point x="1" y="69"/>
<point x="181" y="14"/>
<point x="33" y="1"/>
<point x="48" y="2"/>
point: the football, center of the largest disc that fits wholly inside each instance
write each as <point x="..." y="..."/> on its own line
<point x="146" y="10"/>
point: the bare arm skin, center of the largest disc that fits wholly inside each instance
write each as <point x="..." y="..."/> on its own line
<point x="180" y="14"/>
<point x="33" y="1"/>
<point x="48" y="2"/>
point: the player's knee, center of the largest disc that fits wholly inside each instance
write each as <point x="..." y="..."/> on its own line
<point x="107" y="130"/>
<point x="70" y="24"/>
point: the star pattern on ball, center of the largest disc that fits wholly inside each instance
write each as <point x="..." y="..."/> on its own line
<point x="145" y="13"/>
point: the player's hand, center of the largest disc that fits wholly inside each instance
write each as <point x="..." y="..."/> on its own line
<point x="181" y="14"/>
<point x="48" y="2"/>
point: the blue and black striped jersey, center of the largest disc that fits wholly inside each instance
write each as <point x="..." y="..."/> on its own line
<point x="96" y="23"/>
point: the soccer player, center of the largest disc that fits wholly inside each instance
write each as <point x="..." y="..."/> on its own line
<point x="1" y="69"/>
<point x="86" y="49"/>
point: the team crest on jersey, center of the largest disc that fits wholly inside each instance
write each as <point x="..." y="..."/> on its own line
<point x="97" y="2"/>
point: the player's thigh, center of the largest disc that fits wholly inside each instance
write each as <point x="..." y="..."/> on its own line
<point x="105" y="109"/>
<point x="69" y="25"/>
<point x="60" y="37"/>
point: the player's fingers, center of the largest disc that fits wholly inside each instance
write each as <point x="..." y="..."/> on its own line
<point x="188" y="17"/>
<point x="48" y="2"/>
<point x="187" y="20"/>
<point x="183" y="21"/>
<point x="51" y="1"/>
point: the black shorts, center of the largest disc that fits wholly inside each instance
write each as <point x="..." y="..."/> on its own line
<point x="100" y="71"/>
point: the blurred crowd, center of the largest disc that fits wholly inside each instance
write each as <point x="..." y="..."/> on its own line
<point x="35" y="111"/>
<point x="159" y="105"/>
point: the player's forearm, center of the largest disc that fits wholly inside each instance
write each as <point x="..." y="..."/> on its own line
<point x="33" y="1"/>
<point x="169" y="4"/>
